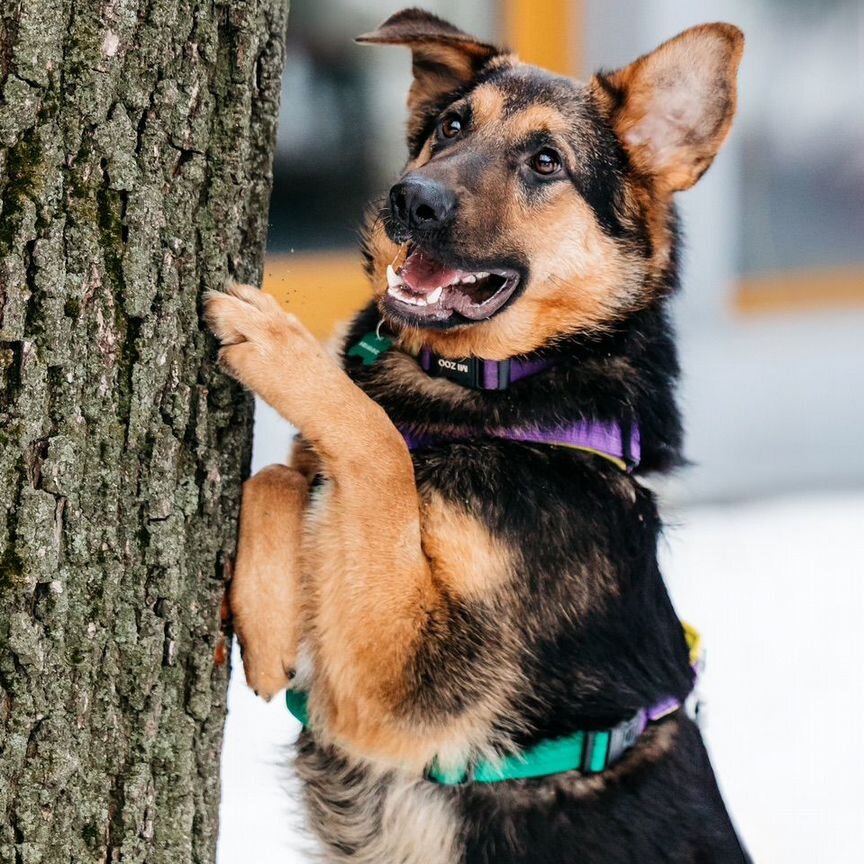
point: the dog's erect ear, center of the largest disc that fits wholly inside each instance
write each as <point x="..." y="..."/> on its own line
<point x="673" y="108"/>
<point x="444" y="59"/>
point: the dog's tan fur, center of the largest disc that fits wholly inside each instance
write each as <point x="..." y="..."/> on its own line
<point x="440" y="66"/>
<point x="369" y="585"/>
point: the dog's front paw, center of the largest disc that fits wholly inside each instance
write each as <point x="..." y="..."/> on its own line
<point x="266" y="349"/>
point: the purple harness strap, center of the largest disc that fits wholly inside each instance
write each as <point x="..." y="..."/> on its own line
<point x="607" y="439"/>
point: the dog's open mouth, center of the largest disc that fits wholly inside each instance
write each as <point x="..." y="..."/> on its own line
<point x="425" y="288"/>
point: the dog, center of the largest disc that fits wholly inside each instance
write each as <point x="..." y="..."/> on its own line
<point x="457" y="578"/>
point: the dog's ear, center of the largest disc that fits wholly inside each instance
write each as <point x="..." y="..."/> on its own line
<point x="673" y="108"/>
<point x="444" y="60"/>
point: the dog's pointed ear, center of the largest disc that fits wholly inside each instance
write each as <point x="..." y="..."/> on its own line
<point x="444" y="59"/>
<point x="673" y="108"/>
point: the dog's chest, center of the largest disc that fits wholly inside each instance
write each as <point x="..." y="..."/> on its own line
<point x="366" y="817"/>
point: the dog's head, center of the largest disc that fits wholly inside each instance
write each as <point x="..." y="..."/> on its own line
<point x="535" y="206"/>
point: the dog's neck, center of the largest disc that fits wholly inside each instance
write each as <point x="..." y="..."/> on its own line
<point x="625" y="376"/>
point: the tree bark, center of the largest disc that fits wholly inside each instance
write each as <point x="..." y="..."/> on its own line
<point x="136" y="141"/>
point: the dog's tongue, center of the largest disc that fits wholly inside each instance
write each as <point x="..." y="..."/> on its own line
<point x="423" y="274"/>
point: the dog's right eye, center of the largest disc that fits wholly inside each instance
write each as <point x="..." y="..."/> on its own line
<point x="545" y="162"/>
<point x="450" y="126"/>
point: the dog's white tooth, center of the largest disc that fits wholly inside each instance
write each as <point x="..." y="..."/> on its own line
<point x="435" y="296"/>
<point x="393" y="278"/>
<point x="470" y="278"/>
<point x="482" y="275"/>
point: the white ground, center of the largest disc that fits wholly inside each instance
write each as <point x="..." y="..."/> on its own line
<point x="775" y="586"/>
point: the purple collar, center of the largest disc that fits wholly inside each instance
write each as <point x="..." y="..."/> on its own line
<point x="477" y="373"/>
<point x="604" y="439"/>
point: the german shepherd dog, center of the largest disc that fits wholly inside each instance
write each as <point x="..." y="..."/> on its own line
<point x="465" y="590"/>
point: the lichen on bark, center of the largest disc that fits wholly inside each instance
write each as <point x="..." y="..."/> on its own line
<point x="136" y="142"/>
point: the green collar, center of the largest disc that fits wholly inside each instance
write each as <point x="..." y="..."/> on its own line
<point x="588" y="752"/>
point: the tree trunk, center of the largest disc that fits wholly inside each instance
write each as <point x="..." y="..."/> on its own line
<point x="136" y="142"/>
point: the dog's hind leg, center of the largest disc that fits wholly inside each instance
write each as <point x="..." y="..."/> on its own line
<point x="264" y="591"/>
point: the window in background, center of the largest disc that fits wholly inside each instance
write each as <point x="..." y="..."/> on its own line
<point x="801" y="138"/>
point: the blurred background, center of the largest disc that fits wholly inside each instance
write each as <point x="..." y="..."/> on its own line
<point x="765" y="547"/>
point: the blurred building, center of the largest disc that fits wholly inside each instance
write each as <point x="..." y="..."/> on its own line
<point x="772" y="315"/>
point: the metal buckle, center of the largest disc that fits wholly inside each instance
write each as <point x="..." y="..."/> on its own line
<point x="503" y="374"/>
<point x="625" y="735"/>
<point x="696" y="709"/>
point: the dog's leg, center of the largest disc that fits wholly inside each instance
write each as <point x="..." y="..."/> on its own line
<point x="264" y="591"/>
<point x="376" y="599"/>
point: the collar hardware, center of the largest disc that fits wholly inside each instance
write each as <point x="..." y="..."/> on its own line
<point x="473" y="372"/>
<point x="370" y="348"/>
<point x="586" y="752"/>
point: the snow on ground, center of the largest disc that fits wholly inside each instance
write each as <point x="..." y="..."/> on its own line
<point x="775" y="587"/>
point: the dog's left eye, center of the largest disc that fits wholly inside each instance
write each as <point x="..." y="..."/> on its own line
<point x="545" y="162"/>
<point x="450" y="126"/>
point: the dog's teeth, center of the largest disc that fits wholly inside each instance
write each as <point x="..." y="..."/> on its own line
<point x="394" y="280"/>
<point x="469" y="278"/>
<point x="399" y="292"/>
<point x="482" y="275"/>
<point x="413" y="299"/>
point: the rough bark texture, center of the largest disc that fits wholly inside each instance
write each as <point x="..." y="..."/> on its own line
<point x="135" y="165"/>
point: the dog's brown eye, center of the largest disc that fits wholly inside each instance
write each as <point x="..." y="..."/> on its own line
<point x="545" y="162"/>
<point x="451" y="126"/>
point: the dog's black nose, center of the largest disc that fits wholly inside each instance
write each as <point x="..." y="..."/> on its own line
<point x="420" y="203"/>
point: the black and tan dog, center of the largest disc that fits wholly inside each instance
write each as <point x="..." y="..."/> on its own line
<point x="461" y="566"/>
